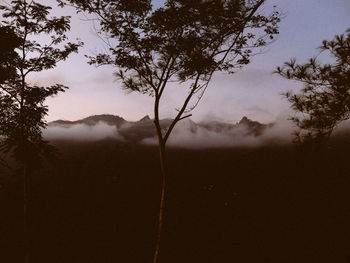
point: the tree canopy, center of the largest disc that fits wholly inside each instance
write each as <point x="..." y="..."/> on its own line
<point x="9" y="42"/>
<point x="22" y="108"/>
<point x="324" y="101"/>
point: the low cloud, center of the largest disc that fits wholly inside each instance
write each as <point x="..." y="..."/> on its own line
<point x="342" y="128"/>
<point x="186" y="134"/>
<point x="82" y="132"/>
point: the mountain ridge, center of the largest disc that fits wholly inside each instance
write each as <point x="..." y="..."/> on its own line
<point x="144" y="128"/>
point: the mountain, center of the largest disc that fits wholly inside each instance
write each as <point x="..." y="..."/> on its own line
<point x="253" y="128"/>
<point x="144" y="128"/>
<point x="92" y="120"/>
<point x="137" y="131"/>
<point x="249" y="127"/>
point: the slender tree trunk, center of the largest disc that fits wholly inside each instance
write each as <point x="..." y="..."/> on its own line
<point x="25" y="215"/>
<point x="162" y="200"/>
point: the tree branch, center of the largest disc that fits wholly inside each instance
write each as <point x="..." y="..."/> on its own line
<point x="9" y="93"/>
<point x="183" y="108"/>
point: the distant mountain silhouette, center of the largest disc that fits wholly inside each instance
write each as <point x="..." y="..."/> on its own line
<point x="251" y="128"/>
<point x="92" y="120"/>
<point x="254" y="128"/>
<point x="144" y="128"/>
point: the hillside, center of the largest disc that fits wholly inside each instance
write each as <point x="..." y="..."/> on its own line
<point x="99" y="203"/>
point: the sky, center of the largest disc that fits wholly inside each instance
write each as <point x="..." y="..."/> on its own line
<point x="253" y="91"/>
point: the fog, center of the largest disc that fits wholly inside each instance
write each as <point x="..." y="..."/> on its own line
<point x="186" y="134"/>
<point x="82" y="132"/>
<point x="343" y="127"/>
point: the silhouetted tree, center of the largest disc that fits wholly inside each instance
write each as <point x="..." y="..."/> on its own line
<point x="324" y="101"/>
<point x="9" y="41"/>
<point x="22" y="108"/>
<point x="182" y="41"/>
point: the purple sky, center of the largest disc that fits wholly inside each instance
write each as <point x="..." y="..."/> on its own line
<point x="253" y="91"/>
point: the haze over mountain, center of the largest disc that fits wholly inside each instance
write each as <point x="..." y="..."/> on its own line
<point x="187" y="133"/>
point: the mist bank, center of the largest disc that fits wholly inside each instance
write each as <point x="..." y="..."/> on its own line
<point x="82" y="132"/>
<point x="187" y="134"/>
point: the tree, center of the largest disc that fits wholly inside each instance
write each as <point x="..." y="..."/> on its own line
<point x="22" y="108"/>
<point x="182" y="41"/>
<point x="324" y="101"/>
<point x="10" y="41"/>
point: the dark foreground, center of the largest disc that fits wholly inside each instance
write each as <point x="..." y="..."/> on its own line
<point x="99" y="204"/>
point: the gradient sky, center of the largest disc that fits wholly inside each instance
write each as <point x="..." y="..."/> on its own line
<point x="253" y="91"/>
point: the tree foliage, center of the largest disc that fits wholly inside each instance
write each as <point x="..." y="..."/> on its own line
<point x="324" y="101"/>
<point x="22" y="108"/>
<point x="9" y="42"/>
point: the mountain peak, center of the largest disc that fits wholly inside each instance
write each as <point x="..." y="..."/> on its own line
<point x="146" y="118"/>
<point x="245" y="120"/>
<point x="254" y="128"/>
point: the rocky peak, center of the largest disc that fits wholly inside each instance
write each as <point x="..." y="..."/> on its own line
<point x="145" y="119"/>
<point x="254" y="128"/>
<point x="245" y="120"/>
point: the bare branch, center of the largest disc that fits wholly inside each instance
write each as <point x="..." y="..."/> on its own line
<point x="184" y="117"/>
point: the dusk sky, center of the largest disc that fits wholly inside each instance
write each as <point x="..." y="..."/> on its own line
<point x="253" y="92"/>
